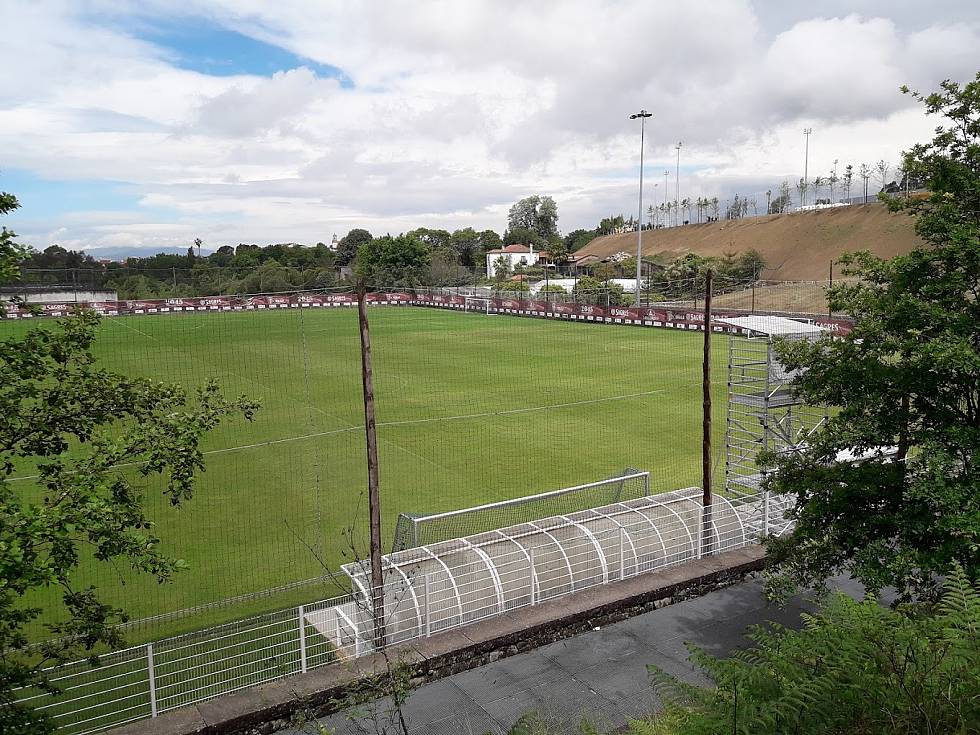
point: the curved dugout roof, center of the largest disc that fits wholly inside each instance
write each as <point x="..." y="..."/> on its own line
<point x="433" y="588"/>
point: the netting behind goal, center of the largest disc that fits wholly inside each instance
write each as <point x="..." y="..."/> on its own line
<point x="419" y="529"/>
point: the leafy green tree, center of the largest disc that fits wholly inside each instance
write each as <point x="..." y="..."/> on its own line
<point x="350" y="243"/>
<point x="536" y="214"/>
<point x="521" y="286"/>
<point x="465" y="246"/>
<point x="577" y="239"/>
<point x="558" y="251"/>
<point x="523" y="236"/>
<point x="855" y="667"/>
<point x="489" y="240"/>
<point x="402" y="260"/>
<point x="80" y="426"/>
<point x="592" y="290"/>
<point x="11" y="252"/>
<point x="907" y="376"/>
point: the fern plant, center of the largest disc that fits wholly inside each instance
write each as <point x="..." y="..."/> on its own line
<point x="854" y="667"/>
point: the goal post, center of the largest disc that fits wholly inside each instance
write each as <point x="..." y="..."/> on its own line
<point x="419" y="529"/>
<point x="478" y="303"/>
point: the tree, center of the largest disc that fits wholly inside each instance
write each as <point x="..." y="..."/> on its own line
<point x="882" y="167"/>
<point x="577" y="239"/>
<point x="714" y="207"/>
<point x="848" y="178"/>
<point x="78" y="423"/>
<point x="465" y="246"/>
<point x="522" y="236"/>
<point x="907" y="376"/>
<point x="818" y="183"/>
<point x="433" y="239"/>
<point x="535" y="214"/>
<point x="783" y="200"/>
<point x="11" y="252"/>
<point x="489" y="240"/>
<point x="350" y="243"/>
<point x="592" y="290"/>
<point x="801" y="189"/>
<point x="400" y="261"/>
<point x="832" y="180"/>
<point x="865" y="174"/>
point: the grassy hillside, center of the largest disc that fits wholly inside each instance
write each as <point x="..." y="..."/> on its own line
<point x="797" y="246"/>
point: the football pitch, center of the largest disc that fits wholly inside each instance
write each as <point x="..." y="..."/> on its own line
<point x="470" y="408"/>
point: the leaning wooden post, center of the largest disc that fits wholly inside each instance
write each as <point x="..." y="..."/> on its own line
<point x="374" y="501"/>
<point x="706" y="421"/>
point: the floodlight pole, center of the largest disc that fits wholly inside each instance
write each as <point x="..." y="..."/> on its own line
<point x="806" y="163"/>
<point x="706" y="499"/>
<point x="643" y="115"/>
<point x="677" y="185"/>
<point x="374" y="500"/>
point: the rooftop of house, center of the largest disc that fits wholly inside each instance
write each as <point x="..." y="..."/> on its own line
<point x="515" y="248"/>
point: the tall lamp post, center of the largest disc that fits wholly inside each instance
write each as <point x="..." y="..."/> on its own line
<point x="677" y="184"/>
<point x="642" y="115"/>
<point x="806" y="163"/>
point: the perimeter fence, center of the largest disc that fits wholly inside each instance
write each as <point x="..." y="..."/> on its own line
<point x="474" y="406"/>
<point x="426" y="591"/>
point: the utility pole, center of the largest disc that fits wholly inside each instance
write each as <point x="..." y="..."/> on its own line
<point x="374" y="500"/>
<point x="677" y="182"/>
<point x="706" y="498"/>
<point x="806" y="163"/>
<point x="642" y="115"/>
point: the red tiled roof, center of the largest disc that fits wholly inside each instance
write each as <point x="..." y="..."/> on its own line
<point x="515" y="248"/>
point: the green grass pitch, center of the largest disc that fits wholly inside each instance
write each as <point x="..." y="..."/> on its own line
<point x="471" y="409"/>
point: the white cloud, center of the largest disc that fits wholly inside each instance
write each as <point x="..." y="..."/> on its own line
<point x="457" y="109"/>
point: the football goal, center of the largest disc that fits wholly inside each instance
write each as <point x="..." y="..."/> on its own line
<point x="479" y="303"/>
<point x="428" y="528"/>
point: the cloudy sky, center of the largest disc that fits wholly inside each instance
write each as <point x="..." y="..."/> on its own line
<point x="144" y="124"/>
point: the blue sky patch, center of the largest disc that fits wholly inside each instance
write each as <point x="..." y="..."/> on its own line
<point x="43" y="202"/>
<point x="200" y="45"/>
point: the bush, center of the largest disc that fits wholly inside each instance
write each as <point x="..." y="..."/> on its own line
<point x="855" y="667"/>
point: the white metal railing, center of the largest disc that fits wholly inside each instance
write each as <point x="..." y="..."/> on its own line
<point x="478" y="581"/>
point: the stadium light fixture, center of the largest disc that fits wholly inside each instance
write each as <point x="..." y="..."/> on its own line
<point x="642" y="115"/>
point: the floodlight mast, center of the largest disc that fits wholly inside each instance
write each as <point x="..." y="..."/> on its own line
<point x="642" y="115"/>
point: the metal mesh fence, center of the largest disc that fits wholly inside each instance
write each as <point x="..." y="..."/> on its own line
<point x="482" y="397"/>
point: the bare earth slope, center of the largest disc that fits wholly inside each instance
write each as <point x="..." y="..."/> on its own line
<point x="797" y="246"/>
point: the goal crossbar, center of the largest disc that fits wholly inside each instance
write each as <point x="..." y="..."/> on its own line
<point x="417" y="529"/>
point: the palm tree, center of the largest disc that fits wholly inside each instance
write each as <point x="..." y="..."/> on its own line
<point x="817" y="186"/>
<point x="686" y="204"/>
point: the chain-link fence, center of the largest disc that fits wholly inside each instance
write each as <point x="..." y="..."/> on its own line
<point x="481" y="396"/>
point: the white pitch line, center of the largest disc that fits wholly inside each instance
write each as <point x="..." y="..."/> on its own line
<point x="407" y="422"/>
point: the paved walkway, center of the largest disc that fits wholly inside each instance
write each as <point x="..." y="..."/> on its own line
<point x="599" y="676"/>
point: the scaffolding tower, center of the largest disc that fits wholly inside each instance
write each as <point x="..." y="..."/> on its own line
<point x="764" y="414"/>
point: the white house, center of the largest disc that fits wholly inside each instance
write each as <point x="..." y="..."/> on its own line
<point x="513" y="255"/>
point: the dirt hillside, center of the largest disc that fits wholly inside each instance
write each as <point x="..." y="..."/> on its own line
<point x="797" y="246"/>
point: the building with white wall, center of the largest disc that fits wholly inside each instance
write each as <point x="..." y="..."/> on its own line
<point x="513" y="255"/>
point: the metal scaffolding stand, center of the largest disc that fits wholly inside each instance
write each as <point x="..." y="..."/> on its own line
<point x="764" y="415"/>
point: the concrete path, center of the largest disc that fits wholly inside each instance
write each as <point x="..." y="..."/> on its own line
<point x="599" y="676"/>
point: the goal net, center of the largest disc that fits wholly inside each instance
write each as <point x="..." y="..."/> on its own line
<point x="478" y="303"/>
<point x="420" y="529"/>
